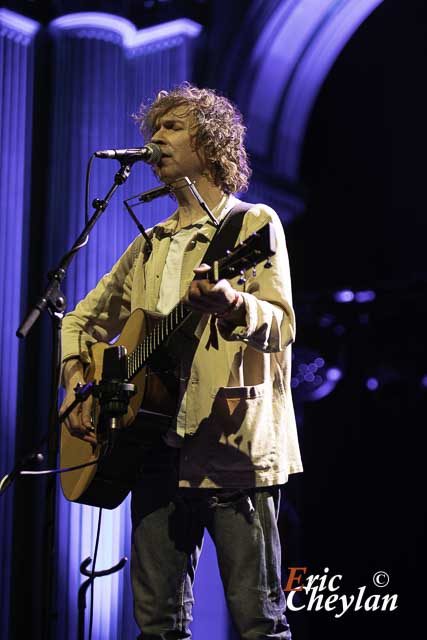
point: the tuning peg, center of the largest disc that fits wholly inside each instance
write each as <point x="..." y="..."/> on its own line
<point x="242" y="278"/>
<point x="268" y="264"/>
<point x="254" y="271"/>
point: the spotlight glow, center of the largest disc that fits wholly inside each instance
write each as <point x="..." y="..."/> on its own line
<point x="346" y="295"/>
<point x="372" y="384"/>
<point x="311" y="379"/>
<point x="365" y="296"/>
<point x="334" y="374"/>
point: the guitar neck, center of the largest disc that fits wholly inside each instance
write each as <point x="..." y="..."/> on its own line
<point x="247" y="254"/>
<point x="156" y="338"/>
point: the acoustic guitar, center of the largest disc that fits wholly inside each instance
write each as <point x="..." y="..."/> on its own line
<point x="151" y="344"/>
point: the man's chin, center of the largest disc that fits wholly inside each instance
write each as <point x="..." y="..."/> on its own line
<point x="168" y="177"/>
<point x="161" y="171"/>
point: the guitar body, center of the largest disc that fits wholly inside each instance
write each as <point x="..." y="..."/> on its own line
<point x="107" y="482"/>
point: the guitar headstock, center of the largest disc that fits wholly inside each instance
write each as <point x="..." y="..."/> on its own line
<point x="259" y="246"/>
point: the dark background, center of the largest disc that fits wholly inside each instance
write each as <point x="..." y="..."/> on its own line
<point x="359" y="507"/>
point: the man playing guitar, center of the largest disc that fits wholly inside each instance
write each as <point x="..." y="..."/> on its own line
<point x="218" y="458"/>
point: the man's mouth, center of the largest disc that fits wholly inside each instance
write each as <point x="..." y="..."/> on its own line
<point x="164" y="158"/>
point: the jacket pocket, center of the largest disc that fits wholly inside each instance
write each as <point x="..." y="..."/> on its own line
<point x="235" y="406"/>
<point x="244" y="393"/>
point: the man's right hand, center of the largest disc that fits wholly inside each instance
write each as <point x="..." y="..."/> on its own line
<point x="79" y="422"/>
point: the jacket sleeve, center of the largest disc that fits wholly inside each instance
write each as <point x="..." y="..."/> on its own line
<point x="103" y="312"/>
<point x="270" y="319"/>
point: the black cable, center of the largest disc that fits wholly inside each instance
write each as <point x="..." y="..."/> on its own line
<point x="87" y="189"/>
<point x="98" y="532"/>
<point x="47" y="472"/>
<point x="87" y="183"/>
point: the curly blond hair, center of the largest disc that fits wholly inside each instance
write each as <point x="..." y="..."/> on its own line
<point x="219" y="131"/>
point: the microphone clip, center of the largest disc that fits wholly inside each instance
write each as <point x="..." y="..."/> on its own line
<point x="113" y="392"/>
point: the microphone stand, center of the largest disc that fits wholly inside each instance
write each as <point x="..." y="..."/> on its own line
<point x="91" y="575"/>
<point x="54" y="302"/>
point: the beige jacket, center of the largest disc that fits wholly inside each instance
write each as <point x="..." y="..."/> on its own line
<point x="238" y="414"/>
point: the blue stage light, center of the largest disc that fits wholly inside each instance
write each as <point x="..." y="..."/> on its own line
<point x="372" y="384"/>
<point x="345" y="295"/>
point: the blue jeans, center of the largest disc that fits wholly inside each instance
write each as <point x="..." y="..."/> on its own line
<point x="168" y="525"/>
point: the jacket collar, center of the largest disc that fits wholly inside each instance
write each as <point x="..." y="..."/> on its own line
<point x="168" y="226"/>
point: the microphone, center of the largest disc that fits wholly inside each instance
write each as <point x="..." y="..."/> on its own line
<point x="150" y="153"/>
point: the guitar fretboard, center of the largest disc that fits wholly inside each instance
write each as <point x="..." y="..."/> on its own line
<point x="248" y="253"/>
<point x="163" y="329"/>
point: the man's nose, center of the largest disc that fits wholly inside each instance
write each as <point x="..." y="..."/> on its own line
<point x="159" y="137"/>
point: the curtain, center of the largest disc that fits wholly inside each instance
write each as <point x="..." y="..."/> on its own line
<point x="17" y="36"/>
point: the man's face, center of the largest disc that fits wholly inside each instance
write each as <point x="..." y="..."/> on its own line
<point x="174" y="133"/>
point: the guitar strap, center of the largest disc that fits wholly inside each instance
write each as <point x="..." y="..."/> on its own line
<point x="225" y="238"/>
<point x="226" y="234"/>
